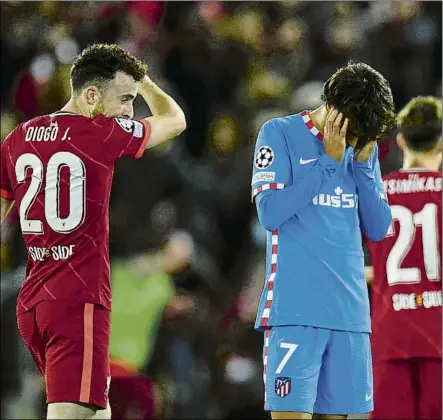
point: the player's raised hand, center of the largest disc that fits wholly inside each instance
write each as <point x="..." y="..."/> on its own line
<point x="146" y="83"/>
<point x="365" y="152"/>
<point x="334" y="138"/>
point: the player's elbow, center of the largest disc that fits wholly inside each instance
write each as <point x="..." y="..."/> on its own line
<point x="266" y="216"/>
<point x="375" y="237"/>
<point x="175" y="125"/>
<point x="165" y="127"/>
<point x="267" y="222"/>
<point x="379" y="232"/>
<point x="180" y="123"/>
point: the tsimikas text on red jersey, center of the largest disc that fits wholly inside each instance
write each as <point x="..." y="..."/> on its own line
<point x="415" y="183"/>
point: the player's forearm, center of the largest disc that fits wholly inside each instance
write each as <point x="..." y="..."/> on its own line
<point x="375" y="215"/>
<point x="167" y="120"/>
<point x="374" y="211"/>
<point x="276" y="207"/>
<point x="159" y="102"/>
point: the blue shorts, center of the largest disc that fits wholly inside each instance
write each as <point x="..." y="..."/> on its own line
<point x="316" y="370"/>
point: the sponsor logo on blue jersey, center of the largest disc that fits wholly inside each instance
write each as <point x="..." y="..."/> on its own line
<point x="345" y="201"/>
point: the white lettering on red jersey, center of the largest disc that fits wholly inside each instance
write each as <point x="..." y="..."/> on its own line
<point x="407" y="287"/>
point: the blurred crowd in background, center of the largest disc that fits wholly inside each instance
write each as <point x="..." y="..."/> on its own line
<point x="187" y="249"/>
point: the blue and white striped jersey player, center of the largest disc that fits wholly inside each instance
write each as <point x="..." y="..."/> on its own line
<point x="317" y="185"/>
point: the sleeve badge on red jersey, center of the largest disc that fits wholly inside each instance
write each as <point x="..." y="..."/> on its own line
<point x="131" y="126"/>
<point x="125" y="124"/>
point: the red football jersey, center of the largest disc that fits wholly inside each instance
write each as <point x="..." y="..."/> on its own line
<point x="58" y="168"/>
<point x="407" y="287"/>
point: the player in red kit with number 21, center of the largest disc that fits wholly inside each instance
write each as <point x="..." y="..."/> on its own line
<point x="406" y="274"/>
<point x="58" y="170"/>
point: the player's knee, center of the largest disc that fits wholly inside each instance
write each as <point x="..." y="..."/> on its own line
<point x="70" y="410"/>
<point x="290" y="415"/>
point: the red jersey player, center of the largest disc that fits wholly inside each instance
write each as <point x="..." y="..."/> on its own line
<point x="58" y="170"/>
<point x="406" y="275"/>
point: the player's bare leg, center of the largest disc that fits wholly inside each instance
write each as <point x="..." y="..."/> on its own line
<point x="329" y="417"/>
<point x="76" y="411"/>
<point x="69" y="410"/>
<point x="290" y="415"/>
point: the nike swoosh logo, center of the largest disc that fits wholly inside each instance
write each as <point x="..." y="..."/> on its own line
<point x="304" y="162"/>
<point x="368" y="397"/>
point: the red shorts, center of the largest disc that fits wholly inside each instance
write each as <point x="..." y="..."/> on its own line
<point x="408" y="389"/>
<point x="70" y="344"/>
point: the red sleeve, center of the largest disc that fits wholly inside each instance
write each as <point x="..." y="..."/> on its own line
<point x="6" y="186"/>
<point x="126" y="137"/>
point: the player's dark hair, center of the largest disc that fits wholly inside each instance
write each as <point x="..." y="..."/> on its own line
<point x="364" y="96"/>
<point x="420" y="123"/>
<point x="98" y="64"/>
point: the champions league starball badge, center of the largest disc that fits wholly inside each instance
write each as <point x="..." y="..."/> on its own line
<point x="125" y="124"/>
<point x="264" y="157"/>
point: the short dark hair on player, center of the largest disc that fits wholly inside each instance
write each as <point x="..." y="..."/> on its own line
<point x="98" y="64"/>
<point x="364" y="96"/>
<point x="420" y="123"/>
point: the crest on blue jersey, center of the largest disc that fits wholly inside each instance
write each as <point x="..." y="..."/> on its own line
<point x="264" y="157"/>
<point x="282" y="386"/>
